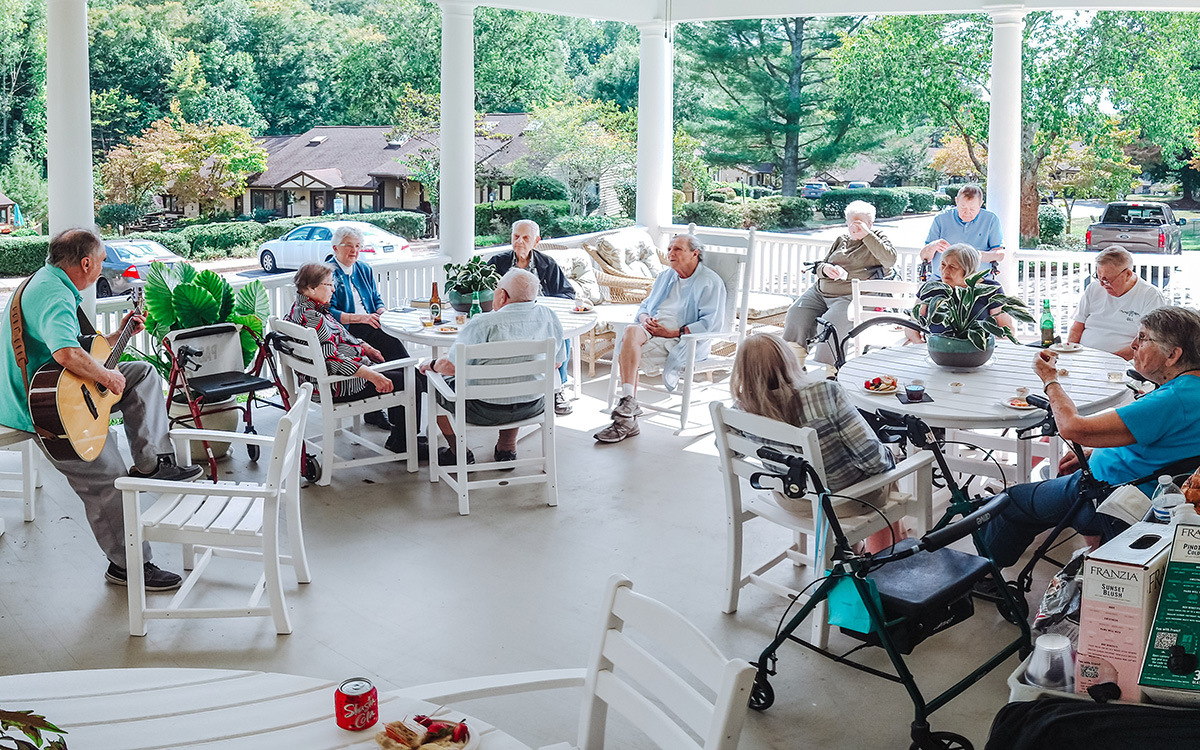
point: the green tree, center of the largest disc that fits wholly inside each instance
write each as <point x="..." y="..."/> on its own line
<point x="769" y="96"/>
<point x="518" y="60"/>
<point x="22" y="77"/>
<point x="22" y="180"/>
<point x="1102" y="169"/>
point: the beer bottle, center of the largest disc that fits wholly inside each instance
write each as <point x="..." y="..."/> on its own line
<point x="475" y="308"/>
<point x="1047" y="324"/>
<point x="435" y="305"/>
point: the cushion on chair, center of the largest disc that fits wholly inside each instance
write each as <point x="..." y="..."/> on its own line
<point x="577" y="266"/>
<point x="632" y="252"/>
<point x="764" y="305"/>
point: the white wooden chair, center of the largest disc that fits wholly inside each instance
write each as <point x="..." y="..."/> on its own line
<point x="877" y="299"/>
<point x="734" y="268"/>
<point x="530" y="367"/>
<point x="300" y="354"/>
<point x="627" y="673"/>
<point x="224" y="519"/>
<point x="28" y="479"/>
<point x="739" y="436"/>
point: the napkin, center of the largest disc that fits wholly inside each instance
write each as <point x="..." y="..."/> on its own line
<point x="1126" y="503"/>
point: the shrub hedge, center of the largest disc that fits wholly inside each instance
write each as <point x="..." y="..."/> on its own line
<point x="920" y="199"/>
<point x="1052" y="222"/>
<point x="887" y="201"/>
<point x="572" y="225"/>
<point x="539" y="188"/>
<point x="942" y="201"/>
<point x="490" y="240"/>
<point x="224" y="238"/>
<point x="794" y="212"/>
<point x="711" y="214"/>
<point x="21" y="256"/>
<point x="507" y="213"/>
<point x="408" y="224"/>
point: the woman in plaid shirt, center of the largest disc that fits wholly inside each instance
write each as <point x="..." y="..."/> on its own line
<point x="767" y="380"/>
<point x="345" y="354"/>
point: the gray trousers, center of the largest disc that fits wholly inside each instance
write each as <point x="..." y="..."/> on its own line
<point x="144" y="408"/>
<point x="800" y="325"/>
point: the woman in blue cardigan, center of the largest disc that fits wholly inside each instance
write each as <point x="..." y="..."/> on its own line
<point x="356" y="304"/>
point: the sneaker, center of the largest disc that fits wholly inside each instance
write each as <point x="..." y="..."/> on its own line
<point x="618" y="431"/>
<point x="378" y="419"/>
<point x="447" y="457"/>
<point x="562" y="407"/>
<point x="157" y="579"/>
<point x="627" y="407"/>
<point x="398" y="444"/>
<point x="168" y="471"/>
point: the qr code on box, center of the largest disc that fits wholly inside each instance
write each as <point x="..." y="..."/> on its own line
<point x="1165" y="640"/>
<point x="1089" y="671"/>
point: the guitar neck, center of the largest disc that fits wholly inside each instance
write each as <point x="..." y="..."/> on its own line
<point x="126" y="334"/>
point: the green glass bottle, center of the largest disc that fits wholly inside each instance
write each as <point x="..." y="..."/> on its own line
<point x="475" y="308"/>
<point x="1047" y="324"/>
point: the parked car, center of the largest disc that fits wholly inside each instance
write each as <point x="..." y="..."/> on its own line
<point x="856" y="184"/>
<point x="126" y="261"/>
<point x="814" y="189"/>
<point x="312" y="243"/>
<point x="1139" y="227"/>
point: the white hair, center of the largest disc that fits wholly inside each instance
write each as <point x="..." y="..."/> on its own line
<point x="521" y="285"/>
<point x="967" y="257"/>
<point x="860" y="209"/>
<point x="537" y="231"/>
<point x="344" y="231"/>
<point x="1115" y="256"/>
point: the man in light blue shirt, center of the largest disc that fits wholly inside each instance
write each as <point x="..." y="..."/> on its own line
<point x="515" y="316"/>
<point x="968" y="223"/>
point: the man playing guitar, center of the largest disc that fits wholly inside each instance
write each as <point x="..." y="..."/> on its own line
<point x="50" y="330"/>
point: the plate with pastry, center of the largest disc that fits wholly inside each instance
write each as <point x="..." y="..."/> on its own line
<point x="1065" y="347"/>
<point x="881" y="384"/>
<point x="1018" y="403"/>
<point x="428" y="733"/>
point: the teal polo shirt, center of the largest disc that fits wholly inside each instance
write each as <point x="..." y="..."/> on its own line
<point x="981" y="233"/>
<point x="48" y="307"/>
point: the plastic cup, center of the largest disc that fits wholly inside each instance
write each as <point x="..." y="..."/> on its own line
<point x="461" y="319"/>
<point x="1051" y="665"/>
<point x="427" y="321"/>
<point x="956" y="387"/>
<point x="915" y="392"/>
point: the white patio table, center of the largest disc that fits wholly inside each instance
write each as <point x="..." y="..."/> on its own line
<point x="406" y="326"/>
<point x="980" y="404"/>
<point x="140" y="709"/>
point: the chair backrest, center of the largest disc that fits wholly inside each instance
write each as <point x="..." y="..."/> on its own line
<point x="516" y="369"/>
<point x="299" y="352"/>
<point x="873" y="299"/>
<point x="628" y="673"/>
<point x="732" y="257"/>
<point x="284" y="467"/>
<point x="220" y="348"/>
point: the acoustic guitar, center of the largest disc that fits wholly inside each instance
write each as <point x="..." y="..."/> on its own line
<point x="71" y="414"/>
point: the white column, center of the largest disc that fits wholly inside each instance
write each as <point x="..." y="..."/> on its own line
<point x="655" y="128"/>
<point x="457" y="209"/>
<point x="69" y="120"/>
<point x="1004" y="136"/>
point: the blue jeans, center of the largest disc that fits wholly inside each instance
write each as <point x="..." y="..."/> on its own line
<point x="1037" y="507"/>
<point x="563" y="369"/>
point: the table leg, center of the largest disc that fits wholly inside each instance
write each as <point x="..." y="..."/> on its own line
<point x="1024" y="460"/>
<point x="576" y="369"/>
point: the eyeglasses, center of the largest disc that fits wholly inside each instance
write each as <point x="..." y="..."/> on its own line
<point x="329" y="284"/>
<point x="1142" y="338"/>
<point x="1109" y="282"/>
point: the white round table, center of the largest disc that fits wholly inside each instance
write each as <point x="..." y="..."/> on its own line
<point x="140" y="709"/>
<point x="980" y="404"/>
<point x="406" y="326"/>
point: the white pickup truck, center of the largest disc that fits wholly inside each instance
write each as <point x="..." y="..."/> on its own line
<point x="1139" y="227"/>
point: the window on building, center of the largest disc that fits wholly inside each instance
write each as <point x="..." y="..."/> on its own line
<point x="267" y="200"/>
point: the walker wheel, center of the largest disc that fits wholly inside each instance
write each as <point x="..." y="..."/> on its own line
<point x="253" y="451"/>
<point x="1022" y="612"/>
<point x="943" y="741"/>
<point x="762" y="695"/>
<point x="312" y="469"/>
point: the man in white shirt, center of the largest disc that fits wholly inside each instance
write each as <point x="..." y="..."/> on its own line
<point x="1110" y="312"/>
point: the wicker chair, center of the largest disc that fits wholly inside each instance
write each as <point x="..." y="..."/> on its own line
<point x="621" y="288"/>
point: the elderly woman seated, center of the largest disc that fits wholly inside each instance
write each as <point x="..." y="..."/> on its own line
<point x="958" y="263"/>
<point x="345" y="353"/>
<point x="767" y="380"/>
<point x="1130" y="442"/>
<point x="356" y="304"/>
<point x="862" y="253"/>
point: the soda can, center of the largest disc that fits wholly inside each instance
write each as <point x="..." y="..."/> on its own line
<point x="356" y="704"/>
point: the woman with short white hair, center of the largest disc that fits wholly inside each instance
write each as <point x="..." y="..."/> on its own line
<point x="861" y="253"/>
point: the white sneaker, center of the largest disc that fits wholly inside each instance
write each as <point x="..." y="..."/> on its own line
<point x="627" y="407"/>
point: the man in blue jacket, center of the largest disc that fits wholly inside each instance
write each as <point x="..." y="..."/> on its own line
<point x="688" y="297"/>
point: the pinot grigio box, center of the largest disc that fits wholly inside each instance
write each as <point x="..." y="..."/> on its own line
<point x="1171" y="672"/>
<point x="1121" y="583"/>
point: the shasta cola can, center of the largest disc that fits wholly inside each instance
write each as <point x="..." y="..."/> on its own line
<point x="356" y="704"/>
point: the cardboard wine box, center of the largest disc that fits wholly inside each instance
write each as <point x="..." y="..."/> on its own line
<point x="1176" y="624"/>
<point x="1121" y="584"/>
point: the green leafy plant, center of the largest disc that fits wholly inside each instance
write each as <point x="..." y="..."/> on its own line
<point x="476" y="275"/>
<point x="952" y="307"/>
<point x="32" y="726"/>
<point x="180" y="297"/>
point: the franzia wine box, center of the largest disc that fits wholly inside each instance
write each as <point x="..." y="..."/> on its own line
<point x="1121" y="584"/>
<point x="1171" y="672"/>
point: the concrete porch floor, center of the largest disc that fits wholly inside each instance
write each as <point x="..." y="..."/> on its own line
<point x="405" y="591"/>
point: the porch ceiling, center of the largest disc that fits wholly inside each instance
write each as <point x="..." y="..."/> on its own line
<point x="642" y="11"/>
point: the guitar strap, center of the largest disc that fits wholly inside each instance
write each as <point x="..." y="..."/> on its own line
<point x="18" y="332"/>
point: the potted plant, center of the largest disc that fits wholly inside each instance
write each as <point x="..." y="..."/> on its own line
<point x="966" y="340"/>
<point x="181" y="297"/>
<point x="462" y="281"/>
<point x="31" y="726"/>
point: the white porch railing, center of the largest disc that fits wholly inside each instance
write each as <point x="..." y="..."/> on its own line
<point x="398" y="280"/>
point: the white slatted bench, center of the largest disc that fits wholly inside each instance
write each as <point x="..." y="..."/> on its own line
<point x="27" y="479"/>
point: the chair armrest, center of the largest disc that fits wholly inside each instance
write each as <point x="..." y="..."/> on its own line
<point x="904" y="468"/>
<point x="182" y="436"/>
<point x="438" y="382"/>
<point x="206" y="488"/>
<point x="454" y="691"/>
<point x="394" y="364"/>
<point x="708" y="336"/>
